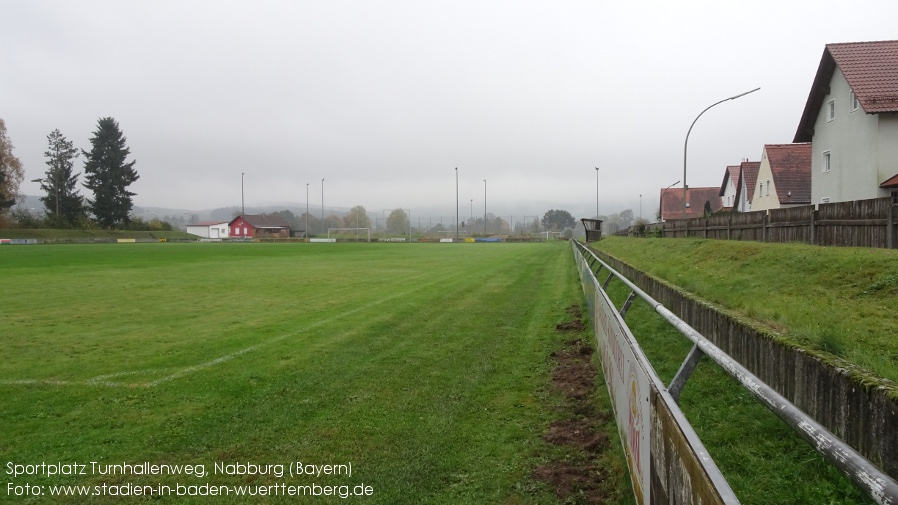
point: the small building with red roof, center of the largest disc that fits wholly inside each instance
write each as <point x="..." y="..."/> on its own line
<point x="850" y="119"/>
<point x="259" y="226"/>
<point x="738" y="186"/>
<point x="728" y="187"/>
<point x="784" y="177"/>
<point x="696" y="198"/>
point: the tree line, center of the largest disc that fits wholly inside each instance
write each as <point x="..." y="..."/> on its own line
<point x="398" y="222"/>
<point x="107" y="174"/>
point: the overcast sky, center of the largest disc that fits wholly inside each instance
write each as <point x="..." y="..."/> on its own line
<point x="383" y="99"/>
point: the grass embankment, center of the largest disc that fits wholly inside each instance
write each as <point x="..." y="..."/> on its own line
<point x="839" y="303"/>
<point x="425" y="366"/>
<point x="763" y="460"/>
<point x="62" y="235"/>
<point x="760" y="456"/>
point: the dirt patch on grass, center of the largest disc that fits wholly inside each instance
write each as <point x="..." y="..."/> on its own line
<point x="570" y="326"/>
<point x="576" y="322"/>
<point x="575" y="471"/>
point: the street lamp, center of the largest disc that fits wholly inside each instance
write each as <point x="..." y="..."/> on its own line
<point x="686" y="143"/>
<point x="242" y="204"/>
<point x="322" y="205"/>
<point x="307" y="210"/>
<point x="597" y="192"/>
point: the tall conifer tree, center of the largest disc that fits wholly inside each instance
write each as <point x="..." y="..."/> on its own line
<point x="62" y="201"/>
<point x="108" y="175"/>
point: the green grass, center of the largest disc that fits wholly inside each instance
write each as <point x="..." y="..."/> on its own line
<point x="424" y="365"/>
<point x="65" y="236"/>
<point x="761" y="457"/>
<point x="840" y="303"/>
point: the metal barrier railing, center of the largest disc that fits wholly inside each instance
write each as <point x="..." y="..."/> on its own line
<point x="878" y="485"/>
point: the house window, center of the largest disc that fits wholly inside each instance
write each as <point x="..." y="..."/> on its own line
<point x="827" y="165"/>
<point x="855" y="104"/>
<point x="768" y="188"/>
<point x="244" y="230"/>
<point x="830" y="110"/>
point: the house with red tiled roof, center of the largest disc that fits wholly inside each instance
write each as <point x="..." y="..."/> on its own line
<point x="784" y="177"/>
<point x="850" y="119"/>
<point x="728" y="187"/>
<point x="738" y="186"/>
<point x="696" y="198"/>
<point x="261" y="225"/>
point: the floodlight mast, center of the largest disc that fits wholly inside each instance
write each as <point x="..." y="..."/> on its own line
<point x="456" y="202"/>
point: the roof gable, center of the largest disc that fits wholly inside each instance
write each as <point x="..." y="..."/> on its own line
<point x="790" y="166"/>
<point x="731" y="174"/>
<point x="871" y="69"/>
<point x="750" y="171"/>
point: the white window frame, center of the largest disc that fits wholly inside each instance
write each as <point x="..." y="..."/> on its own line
<point x="827" y="162"/>
<point x="830" y="110"/>
<point x="855" y="103"/>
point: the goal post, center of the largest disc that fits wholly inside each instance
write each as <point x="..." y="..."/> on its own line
<point x="367" y="231"/>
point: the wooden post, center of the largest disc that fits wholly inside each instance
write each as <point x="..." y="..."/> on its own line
<point x="890" y="225"/>
<point x="764" y="228"/>
<point x="814" y="227"/>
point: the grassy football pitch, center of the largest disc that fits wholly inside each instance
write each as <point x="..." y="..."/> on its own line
<point x="409" y="373"/>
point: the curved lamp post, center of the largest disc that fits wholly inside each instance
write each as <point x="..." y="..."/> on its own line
<point x="686" y="143"/>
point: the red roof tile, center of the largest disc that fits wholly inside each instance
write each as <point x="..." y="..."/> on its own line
<point x="672" y="202"/>
<point x="750" y="171"/>
<point x="871" y="69"/>
<point x="263" y="221"/>
<point x="790" y="165"/>
<point x="891" y="182"/>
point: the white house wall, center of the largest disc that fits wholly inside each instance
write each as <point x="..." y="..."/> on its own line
<point x="852" y="139"/>
<point x="729" y="194"/>
<point x="762" y="200"/>
<point x="214" y="231"/>
<point x="887" y="165"/>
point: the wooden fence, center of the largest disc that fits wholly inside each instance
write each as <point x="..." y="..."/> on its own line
<point x="860" y="223"/>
